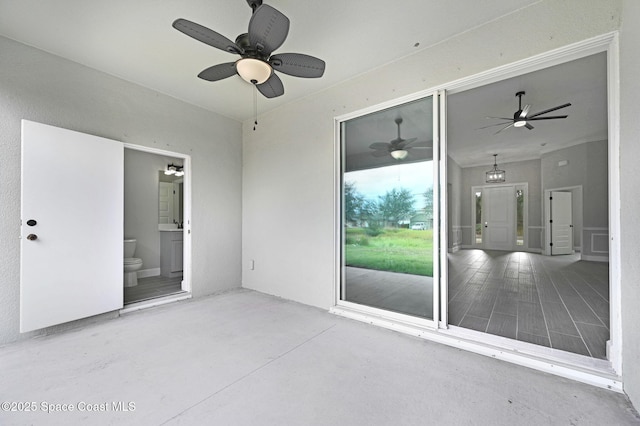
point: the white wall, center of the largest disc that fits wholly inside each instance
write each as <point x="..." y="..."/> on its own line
<point x="44" y="88"/>
<point x="288" y="175"/>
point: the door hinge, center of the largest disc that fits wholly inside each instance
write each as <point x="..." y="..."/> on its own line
<point x="551" y="244"/>
<point x="550" y="220"/>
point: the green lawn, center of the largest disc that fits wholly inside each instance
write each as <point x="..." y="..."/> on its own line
<point x="394" y="250"/>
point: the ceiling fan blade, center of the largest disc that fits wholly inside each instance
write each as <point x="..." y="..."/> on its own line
<point x="218" y="72"/>
<point x="272" y="88"/>
<point x="268" y="29"/>
<point x="492" y="125"/>
<point x="502" y="118"/>
<point x="403" y="143"/>
<point x="380" y="153"/>
<point x="379" y="145"/>
<point x="547" y="118"/>
<point x="528" y="126"/>
<point x="548" y="110"/>
<point x="504" y="128"/>
<point x="205" y="35"/>
<point x="420" y="144"/>
<point x="525" y="111"/>
<point x="298" y="65"/>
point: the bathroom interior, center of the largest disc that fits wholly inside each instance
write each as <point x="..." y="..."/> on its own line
<point x="153" y="225"/>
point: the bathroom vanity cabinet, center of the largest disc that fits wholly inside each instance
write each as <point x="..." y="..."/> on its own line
<point x="171" y="253"/>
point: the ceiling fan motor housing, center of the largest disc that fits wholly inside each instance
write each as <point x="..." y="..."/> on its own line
<point x="254" y="4"/>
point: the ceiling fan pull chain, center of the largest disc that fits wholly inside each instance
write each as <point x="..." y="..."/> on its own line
<point x="255" y="107"/>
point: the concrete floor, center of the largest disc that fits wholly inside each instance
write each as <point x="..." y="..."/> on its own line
<point x="245" y="358"/>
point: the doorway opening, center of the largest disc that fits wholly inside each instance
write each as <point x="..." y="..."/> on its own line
<point x="156" y="225"/>
<point x="527" y="270"/>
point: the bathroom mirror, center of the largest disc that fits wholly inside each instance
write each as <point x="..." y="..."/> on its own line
<point x="170" y="199"/>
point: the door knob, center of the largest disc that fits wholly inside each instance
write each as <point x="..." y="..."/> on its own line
<point x="32" y="237"/>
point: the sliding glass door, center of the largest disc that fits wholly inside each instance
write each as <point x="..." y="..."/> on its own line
<point x="389" y="256"/>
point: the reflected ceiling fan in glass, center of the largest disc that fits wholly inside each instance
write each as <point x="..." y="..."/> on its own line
<point x="398" y="148"/>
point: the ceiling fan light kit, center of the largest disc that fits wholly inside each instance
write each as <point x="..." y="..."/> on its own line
<point x="399" y="154"/>
<point x="521" y="117"/>
<point x="268" y="29"/>
<point x="253" y="71"/>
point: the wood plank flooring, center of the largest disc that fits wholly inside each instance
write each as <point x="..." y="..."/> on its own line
<point x="152" y="287"/>
<point x="559" y="302"/>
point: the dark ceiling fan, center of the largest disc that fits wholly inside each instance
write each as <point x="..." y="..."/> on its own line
<point x="521" y="117"/>
<point x="398" y="148"/>
<point x="268" y="29"/>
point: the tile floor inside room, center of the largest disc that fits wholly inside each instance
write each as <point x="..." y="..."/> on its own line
<point x="245" y="358"/>
<point x="554" y="301"/>
<point x="151" y="288"/>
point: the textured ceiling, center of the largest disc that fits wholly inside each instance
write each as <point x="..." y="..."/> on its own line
<point x="134" y="40"/>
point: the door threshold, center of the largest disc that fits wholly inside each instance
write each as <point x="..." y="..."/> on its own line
<point x="150" y="303"/>
<point x="591" y="371"/>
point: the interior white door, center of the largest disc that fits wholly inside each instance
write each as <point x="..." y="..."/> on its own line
<point x="72" y="226"/>
<point x="165" y="202"/>
<point x="561" y="223"/>
<point x="498" y="209"/>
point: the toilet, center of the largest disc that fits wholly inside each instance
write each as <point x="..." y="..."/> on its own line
<point x="131" y="264"/>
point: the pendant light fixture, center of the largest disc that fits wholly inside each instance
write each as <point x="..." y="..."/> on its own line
<point x="495" y="175"/>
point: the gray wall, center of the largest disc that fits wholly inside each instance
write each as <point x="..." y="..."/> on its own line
<point x="41" y="87"/>
<point x="141" y="180"/>
<point x="289" y="164"/>
<point x="517" y="172"/>
<point x="630" y="202"/>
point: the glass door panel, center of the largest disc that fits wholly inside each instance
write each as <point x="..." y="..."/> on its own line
<point x="387" y="186"/>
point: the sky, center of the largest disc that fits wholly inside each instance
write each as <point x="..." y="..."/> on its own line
<point x="372" y="183"/>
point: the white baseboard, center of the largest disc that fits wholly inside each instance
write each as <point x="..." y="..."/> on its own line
<point x="594" y="258"/>
<point x="145" y="273"/>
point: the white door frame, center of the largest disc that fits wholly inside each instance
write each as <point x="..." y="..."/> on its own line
<point x="563" y="364"/>
<point x="187" y="256"/>
<point x="366" y="312"/>
<point x="608" y="43"/>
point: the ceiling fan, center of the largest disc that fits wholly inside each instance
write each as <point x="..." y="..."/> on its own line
<point x="268" y="29"/>
<point x="398" y="148"/>
<point x="521" y="117"/>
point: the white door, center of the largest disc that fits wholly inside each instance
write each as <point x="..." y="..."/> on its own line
<point x="498" y="209"/>
<point x="165" y="202"/>
<point x="72" y="226"/>
<point x="561" y="223"/>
